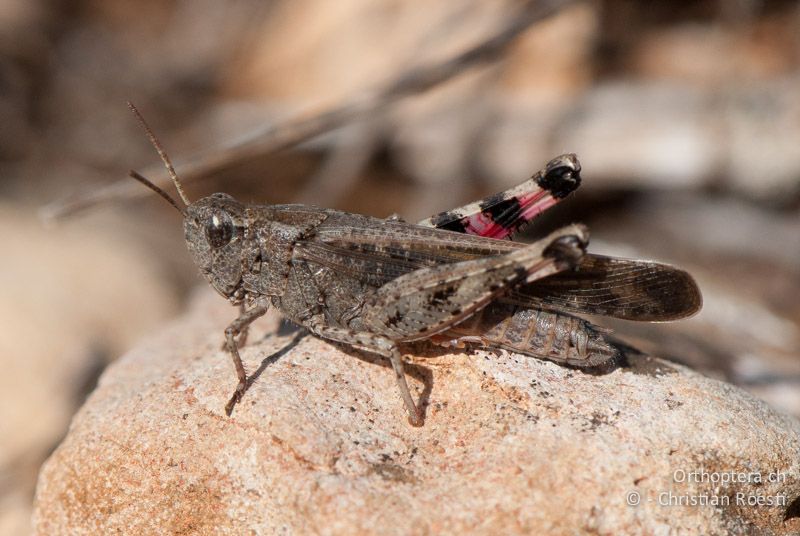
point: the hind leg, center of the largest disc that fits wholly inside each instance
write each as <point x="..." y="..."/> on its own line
<point x="382" y="346"/>
<point x="428" y="301"/>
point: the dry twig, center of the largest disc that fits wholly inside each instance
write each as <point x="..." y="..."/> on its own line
<point x="311" y="124"/>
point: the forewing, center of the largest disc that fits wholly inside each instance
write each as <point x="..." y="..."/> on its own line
<point x="377" y="251"/>
<point x="628" y="289"/>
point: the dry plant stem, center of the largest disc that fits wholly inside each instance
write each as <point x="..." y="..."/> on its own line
<point x="342" y="166"/>
<point x="313" y="123"/>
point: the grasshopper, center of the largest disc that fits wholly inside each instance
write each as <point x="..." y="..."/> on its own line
<point x="375" y="284"/>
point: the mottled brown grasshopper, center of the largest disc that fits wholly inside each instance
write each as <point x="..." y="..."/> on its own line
<point x="375" y="283"/>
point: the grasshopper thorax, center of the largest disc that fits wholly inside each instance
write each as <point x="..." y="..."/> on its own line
<point x="215" y="228"/>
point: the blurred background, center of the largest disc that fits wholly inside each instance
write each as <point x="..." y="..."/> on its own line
<point x="685" y="116"/>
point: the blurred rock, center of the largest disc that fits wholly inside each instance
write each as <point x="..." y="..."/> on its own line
<point x="634" y="135"/>
<point x="661" y="136"/>
<point x="72" y="297"/>
<point x="320" y="444"/>
<point x="745" y="260"/>
<point x="763" y="126"/>
<point x="750" y="50"/>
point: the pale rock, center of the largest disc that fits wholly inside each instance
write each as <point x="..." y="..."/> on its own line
<point x="320" y="444"/>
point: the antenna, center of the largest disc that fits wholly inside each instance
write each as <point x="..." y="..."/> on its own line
<point x="157" y="190"/>
<point x="164" y="158"/>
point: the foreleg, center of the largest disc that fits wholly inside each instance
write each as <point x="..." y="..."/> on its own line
<point x="239" y="326"/>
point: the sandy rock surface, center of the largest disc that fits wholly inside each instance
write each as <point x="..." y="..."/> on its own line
<point x="320" y="444"/>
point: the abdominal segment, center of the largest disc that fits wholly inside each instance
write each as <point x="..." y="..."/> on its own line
<point x="556" y="336"/>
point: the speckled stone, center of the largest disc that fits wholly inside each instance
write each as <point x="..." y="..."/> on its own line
<point x="320" y="444"/>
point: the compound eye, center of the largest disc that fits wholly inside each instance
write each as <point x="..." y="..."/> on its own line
<point x="219" y="229"/>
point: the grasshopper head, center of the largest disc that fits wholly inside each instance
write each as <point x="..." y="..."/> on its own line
<point x="214" y="230"/>
<point x="214" y="227"/>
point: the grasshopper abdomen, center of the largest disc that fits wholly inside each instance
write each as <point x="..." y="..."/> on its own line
<point x="555" y="336"/>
